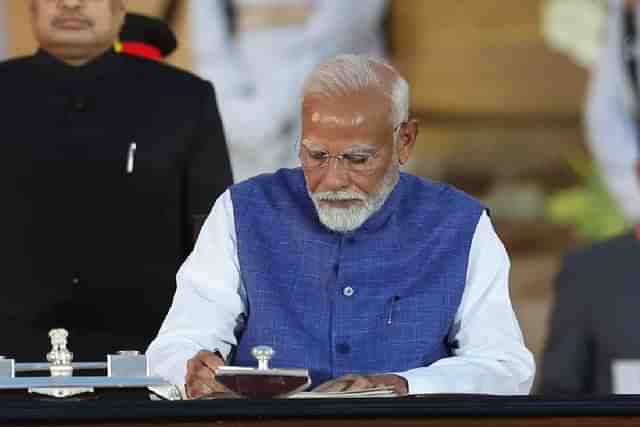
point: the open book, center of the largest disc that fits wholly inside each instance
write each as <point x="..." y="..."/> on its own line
<point x="370" y="392"/>
<point x="173" y="393"/>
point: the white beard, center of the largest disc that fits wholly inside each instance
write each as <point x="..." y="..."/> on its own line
<point x="343" y="220"/>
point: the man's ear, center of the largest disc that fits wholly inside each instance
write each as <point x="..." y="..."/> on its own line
<point x="408" y="134"/>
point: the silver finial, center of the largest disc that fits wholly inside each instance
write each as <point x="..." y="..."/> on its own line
<point x="263" y="354"/>
<point x="59" y="357"/>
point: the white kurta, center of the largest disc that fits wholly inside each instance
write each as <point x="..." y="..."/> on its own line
<point x="258" y="74"/>
<point x="490" y="358"/>
<point x="611" y="127"/>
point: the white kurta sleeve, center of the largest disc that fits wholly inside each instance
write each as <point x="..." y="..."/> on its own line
<point x="209" y="303"/>
<point x="489" y="356"/>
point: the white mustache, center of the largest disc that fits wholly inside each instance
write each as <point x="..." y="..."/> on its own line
<point x="339" y="195"/>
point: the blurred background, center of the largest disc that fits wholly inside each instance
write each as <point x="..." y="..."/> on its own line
<point x="499" y="93"/>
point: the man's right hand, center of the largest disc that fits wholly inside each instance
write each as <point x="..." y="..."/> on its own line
<point x="200" y="374"/>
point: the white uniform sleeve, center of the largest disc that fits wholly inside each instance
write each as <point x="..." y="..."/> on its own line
<point x="209" y="303"/>
<point x="214" y="53"/>
<point x="256" y="105"/>
<point x="490" y="356"/>
<point x="335" y="27"/>
<point x="611" y="129"/>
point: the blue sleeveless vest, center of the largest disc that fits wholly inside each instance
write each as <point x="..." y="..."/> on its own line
<point x="379" y="299"/>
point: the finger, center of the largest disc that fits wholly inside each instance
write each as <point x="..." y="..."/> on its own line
<point x="201" y="382"/>
<point x="325" y="386"/>
<point x="197" y="389"/>
<point x="338" y="384"/>
<point x="333" y="386"/>
<point x="203" y="374"/>
<point x="210" y="359"/>
<point x="398" y="383"/>
<point x="197" y="369"/>
<point x="199" y="379"/>
<point x="359" y="383"/>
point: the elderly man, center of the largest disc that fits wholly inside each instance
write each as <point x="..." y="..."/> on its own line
<point x="593" y="346"/>
<point x="364" y="275"/>
<point x="108" y="164"/>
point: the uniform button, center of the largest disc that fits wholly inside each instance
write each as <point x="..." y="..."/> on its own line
<point x="343" y="348"/>
<point x="75" y="281"/>
<point x="347" y="291"/>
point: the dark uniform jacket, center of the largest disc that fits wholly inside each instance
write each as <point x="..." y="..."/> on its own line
<point x="102" y="170"/>
<point x="595" y="319"/>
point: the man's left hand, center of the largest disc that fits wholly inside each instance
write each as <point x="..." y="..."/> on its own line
<point x="363" y="382"/>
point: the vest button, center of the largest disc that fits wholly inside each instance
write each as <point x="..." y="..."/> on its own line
<point x="347" y="291"/>
<point x="343" y="348"/>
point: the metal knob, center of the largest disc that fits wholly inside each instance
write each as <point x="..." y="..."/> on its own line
<point x="263" y="354"/>
<point x="128" y="353"/>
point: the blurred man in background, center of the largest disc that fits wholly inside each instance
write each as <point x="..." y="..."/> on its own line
<point x="594" y="345"/>
<point x="613" y="106"/>
<point x="258" y="52"/>
<point x="109" y="162"/>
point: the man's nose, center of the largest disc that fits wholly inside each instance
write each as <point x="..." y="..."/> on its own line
<point x="336" y="177"/>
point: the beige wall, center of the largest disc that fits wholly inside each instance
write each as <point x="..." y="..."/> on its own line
<point x="487" y="56"/>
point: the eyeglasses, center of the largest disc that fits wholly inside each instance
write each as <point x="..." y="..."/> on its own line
<point x="361" y="163"/>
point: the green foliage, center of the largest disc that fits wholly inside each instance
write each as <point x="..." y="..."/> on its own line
<point x="589" y="208"/>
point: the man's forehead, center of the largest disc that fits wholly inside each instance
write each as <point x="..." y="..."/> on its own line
<point x="360" y="109"/>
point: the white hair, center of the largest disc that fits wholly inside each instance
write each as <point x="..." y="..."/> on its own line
<point x="345" y="74"/>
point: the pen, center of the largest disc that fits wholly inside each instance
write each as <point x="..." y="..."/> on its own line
<point x="391" y="304"/>
<point x="131" y="157"/>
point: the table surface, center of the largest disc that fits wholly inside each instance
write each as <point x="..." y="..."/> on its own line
<point x="114" y="406"/>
